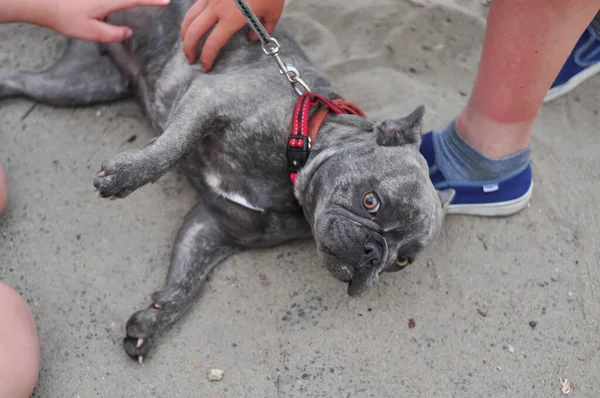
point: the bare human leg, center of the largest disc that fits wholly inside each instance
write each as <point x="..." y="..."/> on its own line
<point x="484" y="153"/>
<point x="526" y="44"/>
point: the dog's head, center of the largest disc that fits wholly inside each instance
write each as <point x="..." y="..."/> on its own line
<point x="367" y="195"/>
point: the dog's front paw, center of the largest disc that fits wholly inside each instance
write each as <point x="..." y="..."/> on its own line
<point x="124" y="173"/>
<point x="141" y="329"/>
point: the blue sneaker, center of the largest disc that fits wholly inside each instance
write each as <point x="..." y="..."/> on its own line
<point x="501" y="197"/>
<point x="583" y="63"/>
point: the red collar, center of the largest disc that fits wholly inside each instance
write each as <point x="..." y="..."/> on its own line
<point x="305" y="128"/>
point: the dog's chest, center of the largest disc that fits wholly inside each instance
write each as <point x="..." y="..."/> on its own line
<point x="248" y="167"/>
<point x="215" y="183"/>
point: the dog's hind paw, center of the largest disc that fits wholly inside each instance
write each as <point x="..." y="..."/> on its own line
<point x="141" y="329"/>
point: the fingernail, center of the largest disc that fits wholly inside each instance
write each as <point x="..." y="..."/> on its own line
<point x="204" y="66"/>
<point x="165" y="2"/>
<point x="129" y="33"/>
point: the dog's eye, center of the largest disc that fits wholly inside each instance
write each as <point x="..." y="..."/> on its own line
<point x="371" y="202"/>
<point x="402" y="261"/>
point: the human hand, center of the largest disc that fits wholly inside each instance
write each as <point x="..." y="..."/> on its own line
<point x="83" y="19"/>
<point x="227" y="19"/>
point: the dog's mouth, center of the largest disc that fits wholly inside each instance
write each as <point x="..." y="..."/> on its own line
<point x="360" y="278"/>
<point x="362" y="282"/>
<point x="340" y="270"/>
<point x="352" y="250"/>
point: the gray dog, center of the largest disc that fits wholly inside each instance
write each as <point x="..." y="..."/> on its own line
<point x="364" y="192"/>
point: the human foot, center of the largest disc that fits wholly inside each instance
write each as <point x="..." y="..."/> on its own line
<point x="484" y="186"/>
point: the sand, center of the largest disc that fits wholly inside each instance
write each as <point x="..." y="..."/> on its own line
<point x="85" y="265"/>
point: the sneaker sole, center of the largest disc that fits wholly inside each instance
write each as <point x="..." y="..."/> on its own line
<point x="498" y="209"/>
<point x="572" y="83"/>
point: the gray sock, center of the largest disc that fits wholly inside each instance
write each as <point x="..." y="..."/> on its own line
<point x="459" y="161"/>
<point x="596" y="24"/>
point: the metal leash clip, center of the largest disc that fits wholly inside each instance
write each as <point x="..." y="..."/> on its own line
<point x="271" y="47"/>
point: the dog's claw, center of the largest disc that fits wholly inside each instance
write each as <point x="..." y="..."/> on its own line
<point x="157" y="306"/>
<point x="140" y="359"/>
<point x="139" y="342"/>
<point x="113" y="198"/>
<point x="102" y="173"/>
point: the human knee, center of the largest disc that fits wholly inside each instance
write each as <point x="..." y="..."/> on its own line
<point x="19" y="362"/>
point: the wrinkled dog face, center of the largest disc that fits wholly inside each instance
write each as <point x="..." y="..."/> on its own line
<point x="369" y="199"/>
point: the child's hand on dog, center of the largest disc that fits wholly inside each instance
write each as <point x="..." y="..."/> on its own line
<point x="227" y="19"/>
<point x="79" y="19"/>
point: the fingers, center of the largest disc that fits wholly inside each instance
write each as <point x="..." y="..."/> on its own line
<point x="270" y="26"/>
<point x="103" y="32"/>
<point x="197" y="29"/>
<point x="151" y="2"/>
<point x="115" y="6"/>
<point x="215" y="41"/>
<point x="191" y="15"/>
<point x="227" y="20"/>
<point x="252" y="34"/>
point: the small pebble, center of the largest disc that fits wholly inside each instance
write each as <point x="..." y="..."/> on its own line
<point x="215" y="374"/>
<point x="570" y="294"/>
<point x="510" y="348"/>
<point x="533" y="324"/>
<point x="565" y="387"/>
<point x="411" y="323"/>
<point x="482" y="312"/>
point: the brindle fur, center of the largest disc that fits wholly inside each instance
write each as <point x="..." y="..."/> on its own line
<point x="227" y="130"/>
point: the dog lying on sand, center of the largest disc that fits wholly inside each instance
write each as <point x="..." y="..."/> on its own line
<point x="363" y="193"/>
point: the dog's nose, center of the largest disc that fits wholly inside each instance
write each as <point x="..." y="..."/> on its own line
<point x="372" y="252"/>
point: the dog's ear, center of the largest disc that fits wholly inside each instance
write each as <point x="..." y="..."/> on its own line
<point x="406" y="130"/>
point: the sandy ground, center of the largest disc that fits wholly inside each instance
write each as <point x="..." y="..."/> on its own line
<point x="85" y="265"/>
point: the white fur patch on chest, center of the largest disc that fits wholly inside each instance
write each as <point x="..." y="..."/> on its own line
<point x="214" y="181"/>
